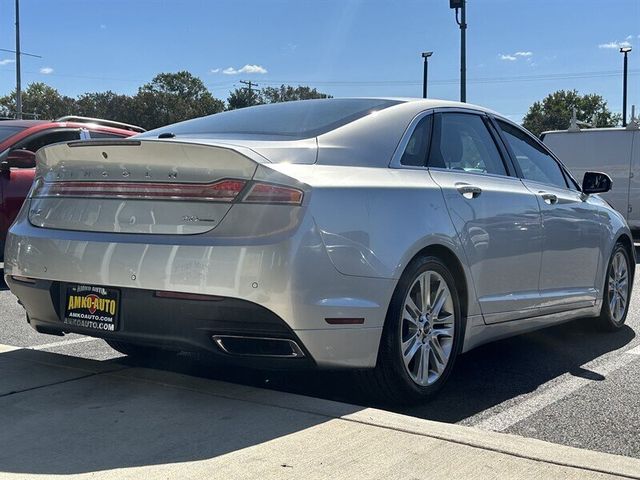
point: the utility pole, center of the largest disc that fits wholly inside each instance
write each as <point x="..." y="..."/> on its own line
<point x="18" y="86"/>
<point x="250" y="84"/>
<point x="625" y="51"/>
<point x="462" y="5"/>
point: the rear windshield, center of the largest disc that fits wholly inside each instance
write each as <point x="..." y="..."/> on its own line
<point x="303" y="119"/>
<point x="7" y="131"/>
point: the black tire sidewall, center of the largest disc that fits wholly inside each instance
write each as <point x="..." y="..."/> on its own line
<point x="390" y="358"/>
<point x="606" y="315"/>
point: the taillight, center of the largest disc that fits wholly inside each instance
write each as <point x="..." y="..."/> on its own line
<point x="267" y="193"/>
<point x="222" y="191"/>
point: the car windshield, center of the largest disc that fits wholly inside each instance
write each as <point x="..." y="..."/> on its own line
<point x="303" y="119"/>
<point x="7" y="131"/>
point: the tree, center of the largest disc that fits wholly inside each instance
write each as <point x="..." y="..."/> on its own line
<point x="555" y="110"/>
<point x="108" y="105"/>
<point x="243" y="97"/>
<point x="39" y="101"/>
<point x="173" y="97"/>
<point x="287" y="93"/>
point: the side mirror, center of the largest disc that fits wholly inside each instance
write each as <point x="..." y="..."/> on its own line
<point x="21" y="159"/>
<point x="596" y="182"/>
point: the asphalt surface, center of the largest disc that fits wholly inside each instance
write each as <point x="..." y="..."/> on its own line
<point x="569" y="384"/>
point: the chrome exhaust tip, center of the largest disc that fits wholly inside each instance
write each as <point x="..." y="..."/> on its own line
<point x="258" y="346"/>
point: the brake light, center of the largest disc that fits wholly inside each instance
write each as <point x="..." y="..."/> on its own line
<point x="267" y="193"/>
<point x="222" y="191"/>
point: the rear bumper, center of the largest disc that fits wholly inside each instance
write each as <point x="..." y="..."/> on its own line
<point x="169" y="323"/>
<point x="289" y="278"/>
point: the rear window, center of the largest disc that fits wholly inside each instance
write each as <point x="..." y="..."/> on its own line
<point x="7" y="131"/>
<point x="303" y="119"/>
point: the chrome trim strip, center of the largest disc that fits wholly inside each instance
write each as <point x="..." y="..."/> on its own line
<point x="295" y="348"/>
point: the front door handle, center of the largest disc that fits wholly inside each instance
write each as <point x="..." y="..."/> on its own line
<point x="549" y="198"/>
<point x="468" y="191"/>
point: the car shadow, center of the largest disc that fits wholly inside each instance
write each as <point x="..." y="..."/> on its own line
<point x="482" y="378"/>
<point x="64" y="415"/>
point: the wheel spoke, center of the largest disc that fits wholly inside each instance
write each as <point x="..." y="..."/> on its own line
<point x="425" y="291"/>
<point x="423" y="368"/>
<point x="409" y="349"/>
<point x="438" y="303"/>
<point x="411" y="307"/>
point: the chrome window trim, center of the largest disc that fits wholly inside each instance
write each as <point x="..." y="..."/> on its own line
<point x="399" y="151"/>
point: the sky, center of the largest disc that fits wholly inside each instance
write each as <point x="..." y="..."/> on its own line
<point x="518" y="51"/>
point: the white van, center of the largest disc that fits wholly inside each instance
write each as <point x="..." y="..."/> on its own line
<point x="615" y="151"/>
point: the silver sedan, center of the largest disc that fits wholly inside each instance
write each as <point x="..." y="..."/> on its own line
<point x="385" y="235"/>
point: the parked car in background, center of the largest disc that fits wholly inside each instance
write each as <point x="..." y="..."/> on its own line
<point x="20" y="139"/>
<point x="379" y="234"/>
<point x="615" y="151"/>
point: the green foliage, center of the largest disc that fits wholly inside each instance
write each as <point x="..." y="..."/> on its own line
<point x="555" y="110"/>
<point x="173" y="97"/>
<point x="287" y="93"/>
<point x="243" y="97"/>
<point x="168" y="98"/>
<point x="38" y="101"/>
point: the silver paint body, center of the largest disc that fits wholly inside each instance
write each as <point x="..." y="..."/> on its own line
<point x="526" y="264"/>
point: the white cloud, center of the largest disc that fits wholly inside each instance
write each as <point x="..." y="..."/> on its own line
<point x="629" y="37"/>
<point x="246" y="69"/>
<point x="214" y="70"/>
<point x="509" y="58"/>
<point x="7" y="61"/>
<point x="46" y="70"/>
<point x="523" y="54"/>
<point x="615" y="44"/>
<point x="103" y="26"/>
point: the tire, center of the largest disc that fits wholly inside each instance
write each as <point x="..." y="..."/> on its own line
<point x="395" y="381"/>
<point x="617" y="291"/>
<point x="139" y="352"/>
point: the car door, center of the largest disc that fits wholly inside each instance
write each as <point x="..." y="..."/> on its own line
<point x="573" y="232"/>
<point x="496" y="217"/>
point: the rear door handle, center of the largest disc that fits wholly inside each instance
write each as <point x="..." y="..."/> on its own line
<point x="549" y="198"/>
<point x="468" y="191"/>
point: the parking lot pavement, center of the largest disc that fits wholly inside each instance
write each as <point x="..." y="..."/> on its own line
<point x="570" y="384"/>
<point x="63" y="415"/>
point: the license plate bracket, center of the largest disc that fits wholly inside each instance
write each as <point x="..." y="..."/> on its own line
<point x="91" y="307"/>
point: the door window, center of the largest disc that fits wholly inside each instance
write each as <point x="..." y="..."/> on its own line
<point x="534" y="161"/>
<point x="38" y="141"/>
<point x="462" y="142"/>
<point x="415" y="153"/>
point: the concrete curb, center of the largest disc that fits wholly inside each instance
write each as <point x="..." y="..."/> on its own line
<point x="513" y="445"/>
<point x="519" y="447"/>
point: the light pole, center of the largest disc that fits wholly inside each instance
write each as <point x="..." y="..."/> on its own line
<point x="426" y="56"/>
<point x="625" y="51"/>
<point x="462" y="5"/>
<point x="18" y="86"/>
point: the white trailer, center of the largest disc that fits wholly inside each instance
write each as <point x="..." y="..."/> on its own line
<point x="615" y="151"/>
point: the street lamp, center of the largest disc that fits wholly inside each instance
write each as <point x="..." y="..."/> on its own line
<point x="625" y="51"/>
<point x="462" y="23"/>
<point x="426" y="56"/>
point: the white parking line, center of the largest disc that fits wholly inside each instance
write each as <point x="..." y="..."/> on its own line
<point x="532" y="405"/>
<point x="62" y="343"/>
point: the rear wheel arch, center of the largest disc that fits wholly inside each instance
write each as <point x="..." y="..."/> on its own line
<point x="450" y="259"/>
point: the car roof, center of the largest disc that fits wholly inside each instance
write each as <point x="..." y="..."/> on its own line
<point x="22" y="123"/>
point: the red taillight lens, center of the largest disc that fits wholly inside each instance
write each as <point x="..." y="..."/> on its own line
<point x="222" y="191"/>
<point x="266" y="193"/>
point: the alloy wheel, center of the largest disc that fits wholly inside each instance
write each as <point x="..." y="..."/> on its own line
<point x="618" y="286"/>
<point x="427" y="328"/>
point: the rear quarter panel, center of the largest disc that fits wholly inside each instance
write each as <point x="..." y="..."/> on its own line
<point x="374" y="221"/>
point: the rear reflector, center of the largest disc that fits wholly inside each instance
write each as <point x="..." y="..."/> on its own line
<point x="222" y="191"/>
<point x="267" y="193"/>
<point x="187" y="296"/>
<point x="344" y="321"/>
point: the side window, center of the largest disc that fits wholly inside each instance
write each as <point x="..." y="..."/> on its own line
<point x="95" y="134"/>
<point x="415" y="153"/>
<point x="39" y="141"/>
<point x="462" y="142"/>
<point x="536" y="164"/>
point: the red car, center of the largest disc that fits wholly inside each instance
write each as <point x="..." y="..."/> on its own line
<point x="20" y="139"/>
